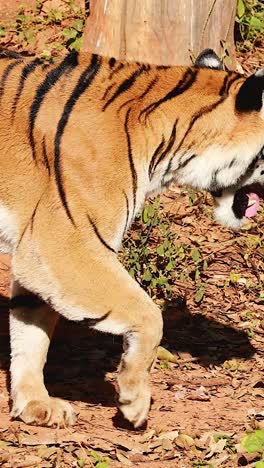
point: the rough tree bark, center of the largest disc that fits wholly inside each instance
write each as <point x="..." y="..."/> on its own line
<point x="160" y="31"/>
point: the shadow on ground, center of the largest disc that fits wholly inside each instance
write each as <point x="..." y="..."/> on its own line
<point x="79" y="358"/>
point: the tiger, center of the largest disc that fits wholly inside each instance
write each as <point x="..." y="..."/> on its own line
<point x="84" y="140"/>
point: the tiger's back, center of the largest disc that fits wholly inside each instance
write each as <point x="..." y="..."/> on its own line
<point x="66" y="119"/>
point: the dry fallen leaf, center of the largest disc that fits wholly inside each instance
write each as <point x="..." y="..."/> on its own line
<point x="170" y="435"/>
<point x="216" y="447"/>
<point x="200" y="394"/>
<point x="165" y="355"/>
<point x="184" y="441"/>
<point x="123" y="459"/>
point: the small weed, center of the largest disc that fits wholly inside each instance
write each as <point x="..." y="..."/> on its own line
<point x="156" y="259"/>
<point x="151" y="252"/>
<point x="230" y="444"/>
<point x="164" y="365"/>
<point x="99" y="461"/>
<point x="73" y="35"/>
<point x="250" y="23"/>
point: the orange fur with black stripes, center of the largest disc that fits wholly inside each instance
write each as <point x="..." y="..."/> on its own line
<point x="83" y="142"/>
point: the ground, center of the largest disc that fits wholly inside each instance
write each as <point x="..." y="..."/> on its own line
<point x="208" y="386"/>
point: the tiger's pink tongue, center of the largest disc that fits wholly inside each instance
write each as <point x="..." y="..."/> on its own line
<point x="253" y="201"/>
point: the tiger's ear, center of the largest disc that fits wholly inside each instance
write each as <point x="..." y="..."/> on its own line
<point x="208" y="59"/>
<point x="251" y="94"/>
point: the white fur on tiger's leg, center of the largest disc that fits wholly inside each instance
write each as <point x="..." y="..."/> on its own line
<point x="31" y="326"/>
<point x="133" y="379"/>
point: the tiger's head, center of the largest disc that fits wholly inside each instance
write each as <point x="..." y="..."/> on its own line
<point x="237" y="202"/>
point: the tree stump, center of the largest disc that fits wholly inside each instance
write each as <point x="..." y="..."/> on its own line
<point x="163" y="32"/>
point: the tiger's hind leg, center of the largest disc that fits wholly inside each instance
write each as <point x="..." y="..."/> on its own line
<point x="31" y="326"/>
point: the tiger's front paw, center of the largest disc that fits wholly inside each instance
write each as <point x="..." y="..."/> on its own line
<point x="53" y="412"/>
<point x="136" y="410"/>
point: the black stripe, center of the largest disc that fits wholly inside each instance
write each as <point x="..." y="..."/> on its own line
<point x="44" y="150"/>
<point x="33" y="216"/>
<point x="137" y="98"/>
<point x="155" y="155"/>
<point x="28" y="68"/>
<point x="9" y="54"/>
<point x="126" y="85"/>
<point x="112" y="62"/>
<point x="119" y="67"/>
<point x="69" y="62"/>
<point x="30" y="222"/>
<point x="163" y="67"/>
<point x="231" y="164"/>
<point x="184" y="84"/>
<point x="108" y="89"/>
<point x="181" y="165"/>
<point x="203" y="111"/>
<point x="83" y="84"/>
<point x="6" y="74"/>
<point x="168" y="147"/>
<point x="29" y="301"/>
<point x="101" y="239"/>
<point x="184" y="164"/>
<point x="92" y="322"/>
<point x="228" y="81"/>
<point x="127" y="212"/>
<point x="131" y="162"/>
<point x="149" y="87"/>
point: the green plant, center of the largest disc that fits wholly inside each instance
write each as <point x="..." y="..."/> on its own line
<point x="154" y="257"/>
<point x="152" y="266"/>
<point x="73" y="35"/>
<point x="99" y="461"/>
<point x="250" y="22"/>
<point x="254" y="442"/>
<point x="30" y="21"/>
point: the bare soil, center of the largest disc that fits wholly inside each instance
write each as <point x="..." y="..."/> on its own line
<point x="202" y="404"/>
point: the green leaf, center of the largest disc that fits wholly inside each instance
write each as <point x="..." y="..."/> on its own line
<point x="145" y="215"/>
<point x="160" y="250"/>
<point x="102" y="465"/>
<point x="2" y="31"/>
<point x="259" y="464"/>
<point x="253" y="442"/>
<point x="162" y="280"/>
<point x="241" y="8"/>
<point x="78" y="25"/>
<point x="81" y="463"/>
<point x="76" y="45"/>
<point x="196" y="255"/>
<point x="234" y="277"/>
<point x="256" y="23"/>
<point x="197" y="274"/>
<point x="199" y="294"/>
<point x="69" y="33"/>
<point x="147" y="275"/>
<point x="57" y="15"/>
<point x="169" y="266"/>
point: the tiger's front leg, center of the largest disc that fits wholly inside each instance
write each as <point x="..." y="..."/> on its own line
<point x="91" y="286"/>
<point x="31" y="326"/>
